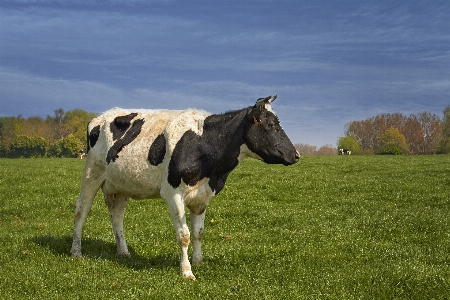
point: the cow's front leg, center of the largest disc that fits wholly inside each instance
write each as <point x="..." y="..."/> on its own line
<point x="117" y="204"/>
<point x="177" y="214"/>
<point x="197" y="224"/>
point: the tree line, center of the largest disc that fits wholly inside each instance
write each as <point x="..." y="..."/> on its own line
<point x="60" y="135"/>
<point x="310" y="150"/>
<point x="422" y="133"/>
<point x="64" y="135"/>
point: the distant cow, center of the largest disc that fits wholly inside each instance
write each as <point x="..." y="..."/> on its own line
<point x="81" y="154"/>
<point x="184" y="157"/>
<point x="345" y="151"/>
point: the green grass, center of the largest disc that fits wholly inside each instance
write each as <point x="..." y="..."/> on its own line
<point x="358" y="227"/>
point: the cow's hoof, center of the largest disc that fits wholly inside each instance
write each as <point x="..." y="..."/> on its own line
<point x="75" y="253"/>
<point x="189" y="275"/>
<point x="123" y="254"/>
<point x="197" y="261"/>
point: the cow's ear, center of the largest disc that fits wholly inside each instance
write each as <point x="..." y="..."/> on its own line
<point x="266" y="100"/>
<point x="255" y="116"/>
<point x="265" y="103"/>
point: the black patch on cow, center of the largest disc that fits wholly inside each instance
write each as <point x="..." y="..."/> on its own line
<point x="126" y="139"/>
<point x="157" y="150"/>
<point x="120" y="125"/>
<point x="214" y="154"/>
<point x="93" y="137"/>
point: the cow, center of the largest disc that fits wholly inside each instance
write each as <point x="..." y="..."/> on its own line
<point x="81" y="154"/>
<point x="345" y="151"/>
<point x="182" y="156"/>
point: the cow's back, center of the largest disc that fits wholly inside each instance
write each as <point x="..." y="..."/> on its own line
<point x="123" y="140"/>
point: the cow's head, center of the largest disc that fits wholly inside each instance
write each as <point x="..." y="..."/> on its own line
<point x="265" y="136"/>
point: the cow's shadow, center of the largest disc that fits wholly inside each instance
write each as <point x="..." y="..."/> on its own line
<point x="96" y="248"/>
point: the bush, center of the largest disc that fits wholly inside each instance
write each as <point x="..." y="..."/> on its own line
<point x="28" y="146"/>
<point x="349" y="142"/>
<point x="69" y="146"/>
<point x="392" y="142"/>
<point x="391" y="150"/>
<point x="443" y="146"/>
<point x="4" y="150"/>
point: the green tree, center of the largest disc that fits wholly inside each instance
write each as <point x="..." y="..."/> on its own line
<point x="444" y="144"/>
<point x="392" y="142"/>
<point x="76" y="122"/>
<point x="58" y="124"/>
<point x="7" y="134"/>
<point x="349" y="142"/>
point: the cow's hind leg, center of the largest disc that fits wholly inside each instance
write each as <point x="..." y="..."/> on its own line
<point x="117" y="204"/>
<point x="90" y="184"/>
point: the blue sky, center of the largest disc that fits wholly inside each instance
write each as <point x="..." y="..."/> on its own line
<point x="329" y="62"/>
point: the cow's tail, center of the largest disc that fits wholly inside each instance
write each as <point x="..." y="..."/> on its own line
<point x="87" y="138"/>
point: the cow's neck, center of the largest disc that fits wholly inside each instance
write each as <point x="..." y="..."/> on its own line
<point x="223" y="135"/>
<point x="213" y="155"/>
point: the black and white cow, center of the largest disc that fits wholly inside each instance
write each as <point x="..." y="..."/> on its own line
<point x="81" y="154"/>
<point x="184" y="157"/>
<point x="345" y="151"/>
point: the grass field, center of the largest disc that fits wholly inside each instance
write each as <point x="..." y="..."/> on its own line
<point x="342" y="227"/>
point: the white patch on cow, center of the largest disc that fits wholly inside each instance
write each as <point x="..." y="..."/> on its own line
<point x="117" y="111"/>
<point x="197" y="197"/>
<point x="269" y="108"/>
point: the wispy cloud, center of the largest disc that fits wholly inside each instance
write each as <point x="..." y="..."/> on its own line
<point x="329" y="64"/>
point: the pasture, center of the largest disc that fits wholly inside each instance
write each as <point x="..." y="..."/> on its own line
<point x="342" y="227"/>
